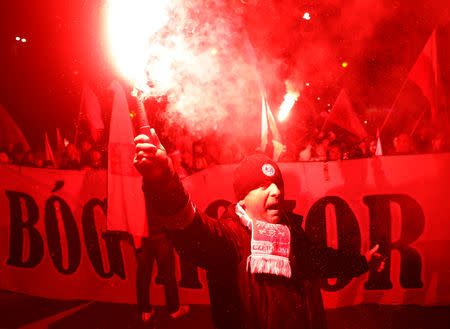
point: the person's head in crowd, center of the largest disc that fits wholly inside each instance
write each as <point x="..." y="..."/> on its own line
<point x="198" y="148"/>
<point x="200" y="160"/>
<point x="86" y="145"/>
<point x="361" y="150"/>
<point x="73" y="153"/>
<point x="39" y="158"/>
<point x="29" y="158"/>
<point x="306" y="152"/>
<point x="187" y="159"/>
<point x="4" y="157"/>
<point x="48" y="164"/>
<point x="373" y="147"/>
<point x="402" y="144"/>
<point x="18" y="154"/>
<point x="321" y="148"/>
<point x="334" y="151"/>
<point x="95" y="159"/>
<point x="63" y="161"/>
<point x="259" y="188"/>
<point x="422" y="139"/>
<point x="363" y="146"/>
<point x="331" y="136"/>
<point x="437" y="143"/>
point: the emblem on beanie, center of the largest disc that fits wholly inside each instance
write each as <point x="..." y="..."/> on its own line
<point x="268" y="170"/>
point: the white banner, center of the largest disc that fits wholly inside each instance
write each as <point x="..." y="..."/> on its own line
<point x="53" y="223"/>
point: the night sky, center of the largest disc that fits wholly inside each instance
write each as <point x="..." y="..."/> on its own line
<point x="42" y="78"/>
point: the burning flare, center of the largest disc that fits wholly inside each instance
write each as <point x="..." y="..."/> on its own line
<point x="289" y="100"/>
<point x="130" y="26"/>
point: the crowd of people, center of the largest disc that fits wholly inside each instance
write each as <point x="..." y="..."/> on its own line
<point x="87" y="155"/>
<point x="191" y="155"/>
<point x="328" y="147"/>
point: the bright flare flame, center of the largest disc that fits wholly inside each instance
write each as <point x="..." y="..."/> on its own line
<point x="130" y="25"/>
<point x="286" y="106"/>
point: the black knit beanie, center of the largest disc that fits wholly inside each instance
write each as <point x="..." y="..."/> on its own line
<point x="255" y="171"/>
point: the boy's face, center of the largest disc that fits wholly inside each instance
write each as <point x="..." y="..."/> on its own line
<point x="264" y="203"/>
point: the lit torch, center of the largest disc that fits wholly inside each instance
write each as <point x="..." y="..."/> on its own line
<point x="130" y="27"/>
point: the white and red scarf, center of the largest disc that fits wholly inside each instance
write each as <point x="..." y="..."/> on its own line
<point x="270" y="246"/>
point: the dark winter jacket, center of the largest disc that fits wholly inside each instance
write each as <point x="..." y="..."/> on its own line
<point x="240" y="299"/>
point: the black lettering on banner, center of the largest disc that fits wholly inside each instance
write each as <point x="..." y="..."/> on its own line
<point x="115" y="257"/>
<point x="412" y="226"/>
<point x="17" y="227"/>
<point x="348" y="233"/>
<point x="54" y="236"/>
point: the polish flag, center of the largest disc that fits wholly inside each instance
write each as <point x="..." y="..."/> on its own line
<point x="425" y="73"/>
<point x="91" y="110"/>
<point x="48" y="151"/>
<point x="60" y="145"/>
<point x="126" y="204"/>
<point x="9" y="131"/>
<point x="378" y="150"/>
<point x="269" y="132"/>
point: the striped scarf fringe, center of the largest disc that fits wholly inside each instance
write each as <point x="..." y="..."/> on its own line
<point x="270" y="246"/>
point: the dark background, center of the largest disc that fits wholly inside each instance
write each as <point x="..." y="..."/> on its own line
<point x="41" y="80"/>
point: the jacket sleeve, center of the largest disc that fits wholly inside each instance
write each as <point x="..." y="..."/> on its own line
<point x="332" y="263"/>
<point x="205" y="241"/>
<point x="209" y="243"/>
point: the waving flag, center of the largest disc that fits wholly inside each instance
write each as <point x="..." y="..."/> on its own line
<point x="9" y="131"/>
<point x="379" y="149"/>
<point x="60" y="145"/>
<point x="425" y="73"/>
<point x="126" y="205"/>
<point x="270" y="137"/>
<point x="90" y="110"/>
<point x="48" y="151"/>
<point x="343" y="115"/>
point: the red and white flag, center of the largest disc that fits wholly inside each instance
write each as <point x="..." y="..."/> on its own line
<point x="126" y="204"/>
<point x="425" y="73"/>
<point x="9" y="131"/>
<point x="379" y="149"/>
<point x="271" y="143"/>
<point x="60" y="147"/>
<point x="48" y="151"/>
<point x="270" y="136"/>
<point x="343" y="115"/>
<point x="91" y="110"/>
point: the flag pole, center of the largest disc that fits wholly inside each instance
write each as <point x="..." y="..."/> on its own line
<point x="393" y="104"/>
<point x="77" y="125"/>
<point x="418" y="121"/>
